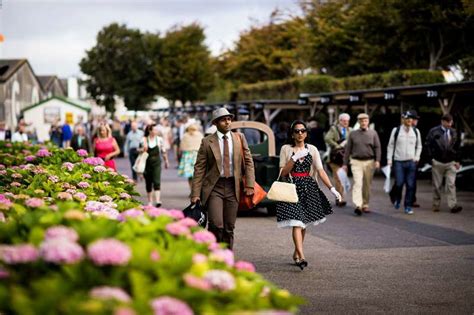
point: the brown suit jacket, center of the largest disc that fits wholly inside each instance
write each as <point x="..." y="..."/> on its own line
<point x="208" y="166"/>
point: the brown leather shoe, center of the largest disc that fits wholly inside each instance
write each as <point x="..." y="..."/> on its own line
<point x="365" y="209"/>
<point x="357" y="211"/>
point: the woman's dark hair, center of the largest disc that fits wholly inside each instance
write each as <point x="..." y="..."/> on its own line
<point x="148" y="129"/>
<point x="289" y="139"/>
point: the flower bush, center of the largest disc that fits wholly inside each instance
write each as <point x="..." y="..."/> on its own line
<point x="70" y="244"/>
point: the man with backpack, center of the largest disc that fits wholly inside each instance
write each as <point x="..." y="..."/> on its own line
<point x="403" y="153"/>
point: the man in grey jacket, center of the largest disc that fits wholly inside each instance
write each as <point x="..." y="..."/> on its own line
<point x="403" y="152"/>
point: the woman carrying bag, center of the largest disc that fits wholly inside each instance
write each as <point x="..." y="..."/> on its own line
<point x="302" y="162"/>
<point x="153" y="145"/>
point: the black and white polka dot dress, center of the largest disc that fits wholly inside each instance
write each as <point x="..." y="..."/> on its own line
<point x="312" y="206"/>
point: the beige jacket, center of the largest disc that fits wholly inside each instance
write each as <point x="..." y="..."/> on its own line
<point x="191" y="141"/>
<point x="208" y="166"/>
<point x="287" y="151"/>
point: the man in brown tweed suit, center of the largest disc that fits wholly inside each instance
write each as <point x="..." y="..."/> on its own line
<point x="218" y="176"/>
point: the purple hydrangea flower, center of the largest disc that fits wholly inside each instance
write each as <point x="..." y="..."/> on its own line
<point x="83" y="185"/>
<point x="18" y="254"/>
<point x="100" y="169"/>
<point x="30" y="158"/>
<point x="124" y="195"/>
<point x="80" y="196"/>
<point x="86" y="176"/>
<point x="105" y="198"/>
<point x="64" y="195"/>
<point x="68" y="165"/>
<point x="131" y="213"/>
<point x="109" y="252"/>
<point x="94" y="161"/>
<point x="167" y="305"/>
<point x="53" y="178"/>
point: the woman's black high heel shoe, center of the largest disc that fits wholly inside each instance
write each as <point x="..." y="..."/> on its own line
<point x="302" y="264"/>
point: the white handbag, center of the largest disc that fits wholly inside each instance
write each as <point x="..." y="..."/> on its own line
<point x="281" y="191"/>
<point x="140" y="163"/>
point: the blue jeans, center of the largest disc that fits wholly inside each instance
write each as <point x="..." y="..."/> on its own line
<point x="405" y="174"/>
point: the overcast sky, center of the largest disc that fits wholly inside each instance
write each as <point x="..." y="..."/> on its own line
<point x="54" y="34"/>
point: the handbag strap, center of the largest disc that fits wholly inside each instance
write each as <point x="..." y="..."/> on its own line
<point x="279" y="175"/>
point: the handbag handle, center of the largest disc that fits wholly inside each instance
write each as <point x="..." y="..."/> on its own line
<point x="279" y="175"/>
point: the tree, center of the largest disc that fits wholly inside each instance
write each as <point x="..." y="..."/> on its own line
<point x="269" y="52"/>
<point x="183" y="65"/>
<point x="119" y="65"/>
<point x="360" y="36"/>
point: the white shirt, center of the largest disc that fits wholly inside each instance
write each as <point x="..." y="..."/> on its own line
<point x="408" y="145"/>
<point x="158" y="141"/>
<point x="220" y="135"/>
<point x="19" y="137"/>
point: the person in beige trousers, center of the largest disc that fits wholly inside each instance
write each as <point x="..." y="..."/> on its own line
<point x="364" y="152"/>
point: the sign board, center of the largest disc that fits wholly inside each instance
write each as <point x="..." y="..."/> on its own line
<point x="69" y="118"/>
<point x="51" y="115"/>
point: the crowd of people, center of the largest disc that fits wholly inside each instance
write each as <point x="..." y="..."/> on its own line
<point x="215" y="159"/>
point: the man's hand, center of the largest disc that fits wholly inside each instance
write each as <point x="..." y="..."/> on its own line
<point x="249" y="191"/>
<point x="377" y="164"/>
<point x="195" y="200"/>
<point x="457" y="165"/>
<point x="344" y="167"/>
<point x="389" y="162"/>
<point x="166" y="164"/>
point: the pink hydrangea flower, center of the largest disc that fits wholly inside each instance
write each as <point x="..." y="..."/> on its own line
<point x="82" y="152"/>
<point x="204" y="236"/>
<point x="64" y="196"/>
<point x="71" y="191"/>
<point x="105" y="293"/>
<point x="167" y="305"/>
<point x="245" y="266"/>
<point x="177" y="214"/>
<point x="16" y="175"/>
<point x="93" y="161"/>
<point x="105" y="198"/>
<point x="3" y="172"/>
<point x="18" y="254"/>
<point x="2" y="166"/>
<point x="109" y="252"/>
<point x="80" y="196"/>
<point x="53" y="178"/>
<point x="123" y="310"/>
<point x="196" y="282"/>
<point x="131" y="213"/>
<point x="223" y="255"/>
<point x="156" y="212"/>
<point x="4" y="274"/>
<point x="99" y="169"/>
<point x="68" y="165"/>
<point x="188" y="222"/>
<point x="176" y="228"/>
<point x="34" y="202"/>
<point x="108" y="213"/>
<point x="124" y="195"/>
<point x="61" y="251"/>
<point x="5" y="203"/>
<point x="86" y="176"/>
<point x="155" y="255"/>
<point x="61" y="231"/>
<point x="43" y="153"/>
<point x="199" y="258"/>
<point x="15" y="184"/>
<point x="106" y="183"/>
<point x="220" y="279"/>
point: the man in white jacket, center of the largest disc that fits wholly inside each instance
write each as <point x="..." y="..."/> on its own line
<point x="403" y="152"/>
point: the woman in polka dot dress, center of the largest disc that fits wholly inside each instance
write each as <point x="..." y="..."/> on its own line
<point x="302" y="161"/>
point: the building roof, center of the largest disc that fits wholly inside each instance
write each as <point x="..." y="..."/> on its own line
<point x="77" y="103"/>
<point x="9" y="66"/>
<point x="46" y="80"/>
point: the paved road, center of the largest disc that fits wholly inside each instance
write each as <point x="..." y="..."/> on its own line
<point x="383" y="262"/>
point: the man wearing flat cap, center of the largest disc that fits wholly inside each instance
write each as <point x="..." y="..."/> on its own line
<point x="363" y="153"/>
<point x="218" y="174"/>
<point x="403" y="152"/>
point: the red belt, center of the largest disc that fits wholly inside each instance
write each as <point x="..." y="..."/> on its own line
<point x="299" y="174"/>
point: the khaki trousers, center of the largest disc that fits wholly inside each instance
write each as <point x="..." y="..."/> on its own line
<point x="222" y="210"/>
<point x="438" y="171"/>
<point x="337" y="181"/>
<point x="362" y="172"/>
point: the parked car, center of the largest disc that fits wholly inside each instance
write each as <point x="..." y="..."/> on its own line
<point x="264" y="157"/>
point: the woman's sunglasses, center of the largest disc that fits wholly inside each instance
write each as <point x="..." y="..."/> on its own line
<point x="299" y="131"/>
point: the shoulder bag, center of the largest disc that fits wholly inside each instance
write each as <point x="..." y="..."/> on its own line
<point x="140" y="163"/>
<point x="249" y="202"/>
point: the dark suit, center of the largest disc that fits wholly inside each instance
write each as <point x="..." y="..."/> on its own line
<point x="85" y="144"/>
<point x="221" y="195"/>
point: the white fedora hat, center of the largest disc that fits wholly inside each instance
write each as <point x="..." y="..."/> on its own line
<point x="219" y="113"/>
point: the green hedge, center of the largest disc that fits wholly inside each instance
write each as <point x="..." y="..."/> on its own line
<point x="290" y="88"/>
